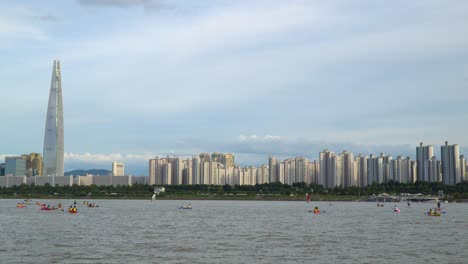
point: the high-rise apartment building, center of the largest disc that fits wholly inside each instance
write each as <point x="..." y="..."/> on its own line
<point x="375" y="169"/>
<point x="196" y="170"/>
<point x="361" y="170"/>
<point x="273" y="169"/>
<point x="302" y="165"/>
<point x="177" y="171"/>
<point x="327" y="176"/>
<point x="262" y="174"/>
<point x="450" y="157"/>
<point x="118" y="169"/>
<point x="53" y="155"/>
<point x="400" y="170"/>
<point x="433" y="170"/>
<point x="205" y="156"/>
<point x="228" y="159"/>
<point x="463" y="168"/>
<point x="349" y="176"/>
<point x="423" y="154"/>
<point x="152" y="171"/>
<point x="215" y="156"/>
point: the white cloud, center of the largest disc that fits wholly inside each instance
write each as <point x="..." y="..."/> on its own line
<point x="105" y="158"/>
<point x="255" y="138"/>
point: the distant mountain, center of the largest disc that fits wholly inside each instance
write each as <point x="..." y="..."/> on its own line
<point x="101" y="172"/>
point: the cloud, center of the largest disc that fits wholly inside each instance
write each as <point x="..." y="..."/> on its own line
<point x="248" y="150"/>
<point x="255" y="138"/>
<point x="102" y="158"/>
<point x="146" y="4"/>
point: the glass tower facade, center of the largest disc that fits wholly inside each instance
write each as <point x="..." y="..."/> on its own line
<point x="53" y="137"/>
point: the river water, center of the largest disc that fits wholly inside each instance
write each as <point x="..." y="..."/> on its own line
<point x="130" y="231"/>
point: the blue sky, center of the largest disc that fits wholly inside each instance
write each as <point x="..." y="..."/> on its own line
<point x="148" y="77"/>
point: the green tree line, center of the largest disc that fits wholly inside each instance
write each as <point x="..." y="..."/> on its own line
<point x="142" y="190"/>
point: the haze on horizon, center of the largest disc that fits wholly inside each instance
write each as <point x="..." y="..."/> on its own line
<point x="287" y="78"/>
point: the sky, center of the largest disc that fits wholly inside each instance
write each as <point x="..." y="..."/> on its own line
<point x="143" y="78"/>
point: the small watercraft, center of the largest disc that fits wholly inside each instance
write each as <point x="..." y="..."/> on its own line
<point x="316" y="212"/>
<point x="186" y="206"/>
<point x="49" y="208"/>
<point x="433" y="214"/>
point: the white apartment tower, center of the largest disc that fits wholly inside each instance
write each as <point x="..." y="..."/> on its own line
<point x="118" y="169"/>
<point x="450" y="157"/>
<point x="423" y="154"/>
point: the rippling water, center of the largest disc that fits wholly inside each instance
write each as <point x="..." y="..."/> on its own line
<point x="122" y="231"/>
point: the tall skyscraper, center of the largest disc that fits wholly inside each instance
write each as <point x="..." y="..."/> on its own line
<point x="450" y="155"/>
<point x="423" y="154"/>
<point x="53" y="138"/>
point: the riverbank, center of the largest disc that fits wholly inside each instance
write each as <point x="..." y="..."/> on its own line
<point x="193" y="197"/>
<point x="207" y="197"/>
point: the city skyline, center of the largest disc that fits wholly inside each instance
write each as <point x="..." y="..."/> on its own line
<point x="252" y="78"/>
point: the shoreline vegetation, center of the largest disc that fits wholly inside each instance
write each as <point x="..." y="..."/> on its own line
<point x="259" y="192"/>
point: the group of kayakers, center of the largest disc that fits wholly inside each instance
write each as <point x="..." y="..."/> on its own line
<point x="89" y="204"/>
<point x="47" y="207"/>
<point x="22" y="204"/>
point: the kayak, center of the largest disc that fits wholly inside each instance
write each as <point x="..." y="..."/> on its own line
<point x="72" y="212"/>
<point x="433" y="214"/>
<point x="182" y="207"/>
<point x="49" y="209"/>
<point x="396" y="210"/>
